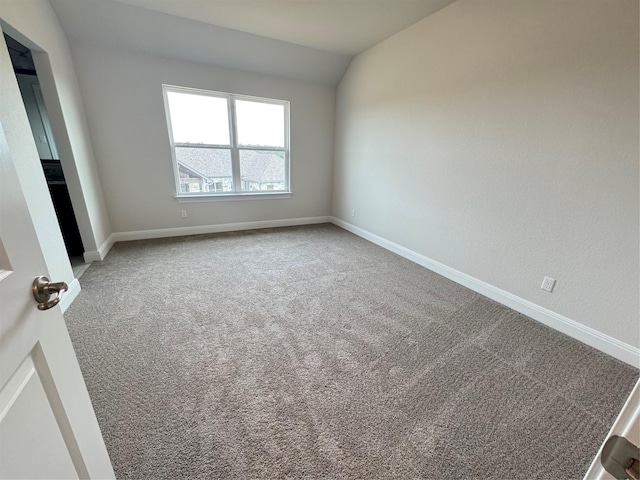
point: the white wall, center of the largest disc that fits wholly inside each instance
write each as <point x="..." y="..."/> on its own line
<point x="122" y="91"/>
<point x="500" y="138"/>
<point x="34" y="23"/>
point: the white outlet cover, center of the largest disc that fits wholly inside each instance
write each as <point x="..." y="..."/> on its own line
<point x="548" y="283"/>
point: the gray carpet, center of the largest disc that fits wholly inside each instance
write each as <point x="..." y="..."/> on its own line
<point x="308" y="352"/>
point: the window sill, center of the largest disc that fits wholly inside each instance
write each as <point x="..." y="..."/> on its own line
<point x="230" y="197"/>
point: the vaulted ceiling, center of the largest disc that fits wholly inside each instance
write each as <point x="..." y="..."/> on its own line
<point x="310" y="40"/>
<point x="339" y="26"/>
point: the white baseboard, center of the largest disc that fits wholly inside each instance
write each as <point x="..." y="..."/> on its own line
<point x="582" y="333"/>
<point x="98" y="255"/>
<point x="101" y="253"/>
<point x="225" y="227"/>
<point x="70" y="295"/>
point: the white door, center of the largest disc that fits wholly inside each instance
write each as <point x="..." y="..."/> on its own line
<point x="48" y="428"/>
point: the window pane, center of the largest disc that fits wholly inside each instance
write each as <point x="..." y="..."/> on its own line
<point x="262" y="170"/>
<point x="204" y="170"/>
<point x="198" y="118"/>
<point x="260" y="124"/>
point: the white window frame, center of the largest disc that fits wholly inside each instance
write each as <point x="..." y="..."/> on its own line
<point x="233" y="147"/>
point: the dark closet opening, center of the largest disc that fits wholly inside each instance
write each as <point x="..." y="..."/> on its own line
<point x="27" y="77"/>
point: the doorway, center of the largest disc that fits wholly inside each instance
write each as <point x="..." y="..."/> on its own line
<point x="25" y="71"/>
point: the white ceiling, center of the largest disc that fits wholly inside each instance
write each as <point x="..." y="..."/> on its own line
<point x="340" y="26"/>
<point x="311" y="40"/>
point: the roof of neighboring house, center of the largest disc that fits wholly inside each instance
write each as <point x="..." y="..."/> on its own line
<point x="256" y="166"/>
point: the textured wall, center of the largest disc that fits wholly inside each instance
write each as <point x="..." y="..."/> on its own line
<point x="122" y="91"/>
<point x="500" y="138"/>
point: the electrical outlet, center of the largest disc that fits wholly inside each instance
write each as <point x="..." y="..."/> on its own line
<point x="353" y="213"/>
<point x="548" y="283"/>
<point x="183" y="213"/>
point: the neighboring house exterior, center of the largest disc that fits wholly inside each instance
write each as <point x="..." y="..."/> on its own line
<point x="209" y="170"/>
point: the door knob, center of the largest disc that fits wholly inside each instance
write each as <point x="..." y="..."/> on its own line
<point x="43" y="289"/>
<point x="621" y="458"/>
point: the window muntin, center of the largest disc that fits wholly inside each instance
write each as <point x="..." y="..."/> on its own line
<point x="226" y="144"/>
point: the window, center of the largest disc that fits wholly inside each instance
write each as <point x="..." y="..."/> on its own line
<point x="225" y="144"/>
